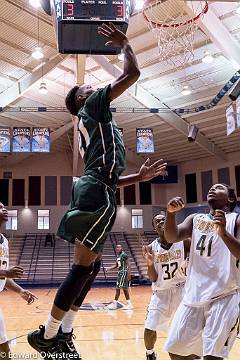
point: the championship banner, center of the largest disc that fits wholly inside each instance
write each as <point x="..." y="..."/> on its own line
<point x="145" y="143"/>
<point x="5" y="140"/>
<point x="41" y="140"/>
<point x="238" y="111"/>
<point x="231" y="120"/>
<point x="21" y="139"/>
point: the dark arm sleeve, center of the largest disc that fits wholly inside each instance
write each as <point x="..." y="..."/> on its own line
<point x="97" y="105"/>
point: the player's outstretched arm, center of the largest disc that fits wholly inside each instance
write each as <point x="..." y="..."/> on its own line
<point x="173" y="232"/>
<point x="111" y="268"/>
<point x="25" y="294"/>
<point x="146" y="172"/>
<point x="131" y="70"/>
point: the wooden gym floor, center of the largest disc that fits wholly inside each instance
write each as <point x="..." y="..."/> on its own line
<point x="105" y="335"/>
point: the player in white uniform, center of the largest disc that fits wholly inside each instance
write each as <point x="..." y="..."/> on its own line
<point x="207" y="321"/>
<point x="6" y="276"/>
<point x="166" y="271"/>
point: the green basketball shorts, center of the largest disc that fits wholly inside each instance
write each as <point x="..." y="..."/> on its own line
<point x="92" y="213"/>
<point x="122" y="280"/>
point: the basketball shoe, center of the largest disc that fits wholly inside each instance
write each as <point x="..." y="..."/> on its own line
<point x="44" y="346"/>
<point x="152" y="356"/>
<point x="65" y="341"/>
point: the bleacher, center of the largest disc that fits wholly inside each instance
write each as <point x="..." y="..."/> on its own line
<point x="46" y="264"/>
<point x="150" y="235"/>
<point x="135" y="242"/>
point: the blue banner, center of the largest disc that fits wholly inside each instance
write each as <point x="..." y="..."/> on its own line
<point x="145" y="143"/>
<point x="5" y="140"/>
<point x="21" y="139"/>
<point x="41" y="140"/>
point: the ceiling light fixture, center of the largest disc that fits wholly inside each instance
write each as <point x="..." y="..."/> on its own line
<point x="43" y="88"/>
<point x="207" y="58"/>
<point x="37" y="53"/>
<point x="35" y="3"/>
<point x="139" y="5"/>
<point x="186" y="90"/>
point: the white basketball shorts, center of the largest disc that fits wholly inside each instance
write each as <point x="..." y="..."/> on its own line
<point x="162" y="307"/>
<point x="3" y="335"/>
<point x="207" y="330"/>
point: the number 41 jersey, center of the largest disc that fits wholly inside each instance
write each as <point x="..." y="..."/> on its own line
<point x="168" y="265"/>
<point x="213" y="271"/>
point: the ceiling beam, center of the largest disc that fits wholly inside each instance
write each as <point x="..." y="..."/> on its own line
<point x="61" y="131"/>
<point x="81" y="68"/>
<point x="217" y="32"/>
<point x="14" y="121"/>
<point x="19" y="88"/>
<point x="16" y="64"/>
<point x="150" y="101"/>
<point x="29" y="33"/>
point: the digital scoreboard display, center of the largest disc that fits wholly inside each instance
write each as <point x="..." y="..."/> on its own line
<point x="105" y="10"/>
<point x="77" y="21"/>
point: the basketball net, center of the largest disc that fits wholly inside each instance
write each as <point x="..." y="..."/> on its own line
<point x="174" y="26"/>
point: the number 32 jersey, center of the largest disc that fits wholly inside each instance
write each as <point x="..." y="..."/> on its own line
<point x="167" y="263"/>
<point x="212" y="271"/>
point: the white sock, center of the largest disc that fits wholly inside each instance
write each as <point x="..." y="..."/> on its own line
<point x="67" y="323"/>
<point x="129" y="301"/>
<point x="51" y="327"/>
<point x="150" y="352"/>
<point x="115" y="301"/>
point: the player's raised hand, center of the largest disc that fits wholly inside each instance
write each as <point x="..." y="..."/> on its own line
<point x="114" y="36"/>
<point x="148" y="172"/>
<point x="219" y="219"/>
<point x="15" y="272"/>
<point x="175" y="205"/>
<point x="28" y="296"/>
<point x="148" y="255"/>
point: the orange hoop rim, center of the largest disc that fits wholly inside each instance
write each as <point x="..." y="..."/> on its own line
<point x="176" y="25"/>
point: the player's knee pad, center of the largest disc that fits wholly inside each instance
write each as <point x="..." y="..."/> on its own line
<point x="72" y="286"/>
<point x="96" y="268"/>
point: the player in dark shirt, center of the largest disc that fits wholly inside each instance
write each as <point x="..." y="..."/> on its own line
<point x="123" y="277"/>
<point x="93" y="207"/>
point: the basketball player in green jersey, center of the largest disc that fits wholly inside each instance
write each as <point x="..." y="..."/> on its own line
<point x="123" y="277"/>
<point x="93" y="206"/>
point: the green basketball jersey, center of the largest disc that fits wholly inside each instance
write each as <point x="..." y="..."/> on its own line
<point x="100" y="141"/>
<point x="122" y="261"/>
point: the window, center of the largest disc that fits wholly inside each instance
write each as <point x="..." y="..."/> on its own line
<point x="129" y="195"/>
<point x="43" y="219"/>
<point x="12" y="220"/>
<point x="191" y="188"/>
<point x="137" y="218"/>
<point x="145" y="190"/>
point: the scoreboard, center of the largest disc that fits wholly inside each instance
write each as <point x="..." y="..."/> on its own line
<point x="76" y="23"/>
<point x="101" y="10"/>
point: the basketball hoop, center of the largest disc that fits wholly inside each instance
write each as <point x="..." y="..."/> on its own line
<point x="174" y="26"/>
